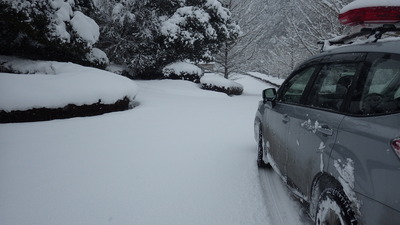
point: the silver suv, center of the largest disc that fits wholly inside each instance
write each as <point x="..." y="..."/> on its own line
<point x="332" y="132"/>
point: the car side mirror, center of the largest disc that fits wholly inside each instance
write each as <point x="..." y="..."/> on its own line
<point x="269" y="95"/>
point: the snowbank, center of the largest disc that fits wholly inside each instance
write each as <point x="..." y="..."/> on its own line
<point x="271" y="79"/>
<point x="56" y="85"/>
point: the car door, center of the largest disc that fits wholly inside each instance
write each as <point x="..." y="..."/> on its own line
<point x="314" y="123"/>
<point x="277" y="117"/>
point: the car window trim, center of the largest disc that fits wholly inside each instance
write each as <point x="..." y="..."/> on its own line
<point x="359" y="58"/>
<point x="344" y="108"/>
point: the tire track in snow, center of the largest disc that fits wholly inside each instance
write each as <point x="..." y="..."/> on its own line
<point x="281" y="206"/>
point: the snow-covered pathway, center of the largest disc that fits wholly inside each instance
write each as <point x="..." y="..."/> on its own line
<point x="183" y="156"/>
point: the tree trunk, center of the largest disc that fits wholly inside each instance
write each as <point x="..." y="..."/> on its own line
<point x="226" y="61"/>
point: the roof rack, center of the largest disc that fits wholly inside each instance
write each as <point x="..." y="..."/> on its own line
<point x="376" y="32"/>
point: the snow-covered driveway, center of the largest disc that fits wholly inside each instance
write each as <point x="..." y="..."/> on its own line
<point x="183" y="156"/>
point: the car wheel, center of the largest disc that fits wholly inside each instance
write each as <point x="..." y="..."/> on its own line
<point x="260" y="155"/>
<point x="334" y="208"/>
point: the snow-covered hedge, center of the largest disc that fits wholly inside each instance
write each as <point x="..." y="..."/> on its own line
<point x="59" y="90"/>
<point x="182" y="71"/>
<point x="218" y="83"/>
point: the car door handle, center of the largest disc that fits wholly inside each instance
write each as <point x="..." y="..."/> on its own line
<point x="285" y="118"/>
<point x="325" y="129"/>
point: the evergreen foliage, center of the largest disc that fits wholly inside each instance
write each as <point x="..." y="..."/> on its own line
<point x="147" y="35"/>
<point x="44" y="29"/>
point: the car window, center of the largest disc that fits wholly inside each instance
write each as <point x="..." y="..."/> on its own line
<point x="381" y="94"/>
<point x="331" y="86"/>
<point x="293" y="89"/>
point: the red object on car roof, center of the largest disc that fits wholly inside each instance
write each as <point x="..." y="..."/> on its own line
<point x="371" y="15"/>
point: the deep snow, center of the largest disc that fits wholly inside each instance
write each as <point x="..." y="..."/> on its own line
<point x="182" y="156"/>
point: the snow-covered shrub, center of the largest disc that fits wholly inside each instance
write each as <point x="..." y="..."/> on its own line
<point x="98" y="58"/>
<point x="182" y="71"/>
<point x="218" y="83"/>
<point x="60" y="90"/>
<point x="47" y="29"/>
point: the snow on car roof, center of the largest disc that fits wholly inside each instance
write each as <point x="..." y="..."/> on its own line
<point x="389" y="45"/>
<point x="369" y="3"/>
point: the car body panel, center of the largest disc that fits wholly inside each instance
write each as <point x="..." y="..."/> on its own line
<point x="366" y="142"/>
<point x="306" y="141"/>
<point x="276" y="129"/>
<point x="374" y="212"/>
<point x="311" y="137"/>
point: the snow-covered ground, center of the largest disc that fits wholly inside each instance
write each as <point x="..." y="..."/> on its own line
<point x="182" y="156"/>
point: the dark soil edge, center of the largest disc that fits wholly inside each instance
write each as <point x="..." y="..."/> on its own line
<point x="69" y="111"/>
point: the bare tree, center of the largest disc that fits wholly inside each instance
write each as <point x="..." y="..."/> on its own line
<point x="254" y="18"/>
<point x="306" y="23"/>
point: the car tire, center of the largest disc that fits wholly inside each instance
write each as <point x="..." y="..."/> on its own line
<point x="334" y="208"/>
<point x="260" y="151"/>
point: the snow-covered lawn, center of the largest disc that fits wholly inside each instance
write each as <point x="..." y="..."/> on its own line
<point x="182" y="156"/>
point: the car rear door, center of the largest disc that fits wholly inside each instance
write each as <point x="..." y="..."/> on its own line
<point x="314" y="123"/>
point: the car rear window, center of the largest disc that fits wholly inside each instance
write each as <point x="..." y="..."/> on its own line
<point x="331" y="86"/>
<point x="380" y="92"/>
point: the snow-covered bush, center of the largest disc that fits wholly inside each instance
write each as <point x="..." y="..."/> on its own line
<point x="59" y="90"/>
<point x="97" y="58"/>
<point x="218" y="83"/>
<point x="182" y="71"/>
<point x="50" y="30"/>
